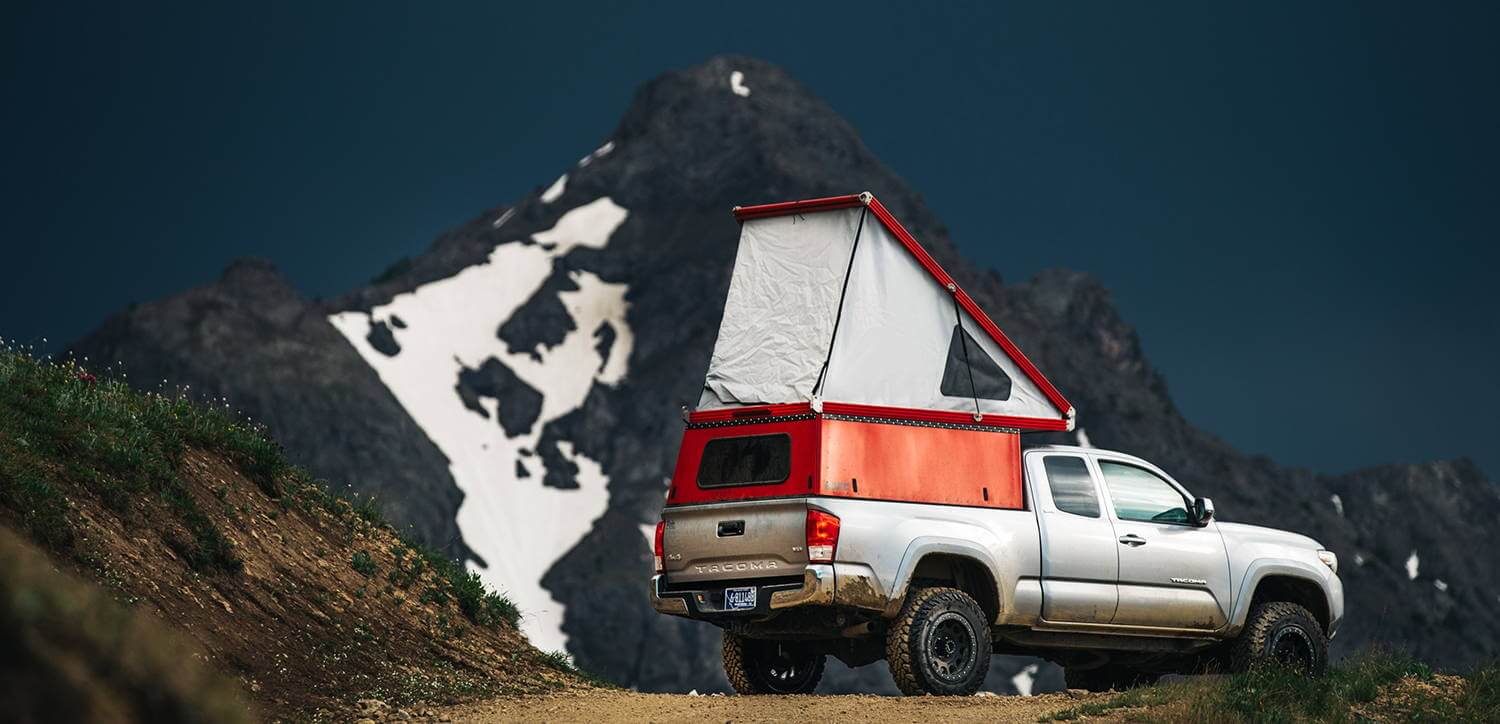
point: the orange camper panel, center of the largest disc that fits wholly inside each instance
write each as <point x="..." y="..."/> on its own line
<point x="881" y="461"/>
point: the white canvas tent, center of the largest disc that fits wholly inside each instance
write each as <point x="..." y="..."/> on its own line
<point x="834" y="304"/>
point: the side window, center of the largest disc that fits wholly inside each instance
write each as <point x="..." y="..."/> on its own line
<point x="969" y="371"/>
<point x="1138" y="494"/>
<point x="1072" y="488"/>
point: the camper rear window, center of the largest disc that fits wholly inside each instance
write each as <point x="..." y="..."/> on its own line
<point x="754" y="460"/>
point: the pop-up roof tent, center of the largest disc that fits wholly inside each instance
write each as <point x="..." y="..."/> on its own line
<point x="849" y="364"/>
<point x="834" y="306"/>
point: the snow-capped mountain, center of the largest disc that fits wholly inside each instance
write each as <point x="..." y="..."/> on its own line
<point x="513" y="394"/>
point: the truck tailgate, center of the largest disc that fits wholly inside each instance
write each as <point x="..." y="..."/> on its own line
<point x="731" y="541"/>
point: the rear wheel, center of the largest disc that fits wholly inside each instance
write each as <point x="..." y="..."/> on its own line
<point x="756" y="666"/>
<point x="940" y="644"/>
<point x="1281" y="632"/>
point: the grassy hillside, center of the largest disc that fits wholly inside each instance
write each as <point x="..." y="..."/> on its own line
<point x="68" y="652"/>
<point x="1373" y="686"/>
<point x="183" y="510"/>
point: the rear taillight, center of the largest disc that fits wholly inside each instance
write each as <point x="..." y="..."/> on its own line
<point x="822" y="535"/>
<point x="661" y="527"/>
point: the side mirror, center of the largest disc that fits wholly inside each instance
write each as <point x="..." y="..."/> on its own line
<point x="1203" y="511"/>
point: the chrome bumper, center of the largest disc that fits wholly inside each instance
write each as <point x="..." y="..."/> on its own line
<point x="823" y="584"/>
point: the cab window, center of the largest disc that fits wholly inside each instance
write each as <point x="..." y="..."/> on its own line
<point x="1139" y="494"/>
<point x="1072" y="488"/>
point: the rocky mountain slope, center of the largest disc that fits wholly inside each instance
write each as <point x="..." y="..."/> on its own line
<point x="513" y="393"/>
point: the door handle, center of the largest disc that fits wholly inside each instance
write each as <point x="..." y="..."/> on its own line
<point x="1132" y="540"/>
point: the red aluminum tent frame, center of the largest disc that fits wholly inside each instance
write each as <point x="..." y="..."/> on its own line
<point x="744" y="213"/>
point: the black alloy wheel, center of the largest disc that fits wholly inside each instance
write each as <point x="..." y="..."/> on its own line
<point x="951" y="648"/>
<point x="755" y="666"/>
<point x="1292" y="646"/>
<point x="1284" y="634"/>
<point x="940" y="644"/>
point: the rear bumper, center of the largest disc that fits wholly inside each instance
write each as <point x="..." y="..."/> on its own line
<point x="848" y="585"/>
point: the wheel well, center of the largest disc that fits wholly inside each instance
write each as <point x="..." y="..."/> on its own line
<point x="1291" y="589"/>
<point x="961" y="572"/>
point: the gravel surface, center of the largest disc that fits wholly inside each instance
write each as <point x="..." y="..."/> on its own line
<point x="595" y="706"/>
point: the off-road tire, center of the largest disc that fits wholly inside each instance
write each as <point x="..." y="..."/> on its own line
<point x="1277" y="631"/>
<point x="909" y="643"/>
<point x="1109" y="677"/>
<point x="748" y="671"/>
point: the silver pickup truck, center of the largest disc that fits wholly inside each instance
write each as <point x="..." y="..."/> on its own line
<point x="1110" y="569"/>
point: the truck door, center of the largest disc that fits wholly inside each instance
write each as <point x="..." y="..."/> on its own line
<point x="1079" y="562"/>
<point x="1173" y="574"/>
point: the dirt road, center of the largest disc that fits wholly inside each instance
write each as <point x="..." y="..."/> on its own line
<point x="597" y="706"/>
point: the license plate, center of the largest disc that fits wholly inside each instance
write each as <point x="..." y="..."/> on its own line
<point x="739" y="599"/>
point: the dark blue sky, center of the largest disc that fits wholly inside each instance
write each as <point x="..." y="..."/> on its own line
<point x="1295" y="203"/>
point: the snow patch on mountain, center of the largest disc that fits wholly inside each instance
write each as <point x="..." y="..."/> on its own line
<point x="737" y="84"/>
<point x="599" y="152"/>
<point x="555" y="190"/>
<point x="518" y="526"/>
<point x="1025" y="679"/>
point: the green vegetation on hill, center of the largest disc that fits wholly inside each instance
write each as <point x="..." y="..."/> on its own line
<point x="69" y="653"/>
<point x="65" y="431"/>
<point x="1374" y="685"/>
<point x="310" y="599"/>
<point x="62" y="432"/>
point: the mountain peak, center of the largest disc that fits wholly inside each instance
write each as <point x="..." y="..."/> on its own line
<point x="254" y="273"/>
<point x="738" y="130"/>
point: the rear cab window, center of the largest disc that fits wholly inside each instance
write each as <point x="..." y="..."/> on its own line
<point x="748" y="460"/>
<point x="1071" y="485"/>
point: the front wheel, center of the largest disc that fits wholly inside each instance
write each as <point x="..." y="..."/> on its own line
<point x="1284" y="633"/>
<point x="755" y="666"/>
<point x="940" y="644"/>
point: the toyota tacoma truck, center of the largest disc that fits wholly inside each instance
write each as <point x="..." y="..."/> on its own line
<point x="1113" y="571"/>
<point x="852" y="483"/>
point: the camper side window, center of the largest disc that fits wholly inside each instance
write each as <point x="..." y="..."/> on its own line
<point x="754" y="460"/>
<point x="970" y="372"/>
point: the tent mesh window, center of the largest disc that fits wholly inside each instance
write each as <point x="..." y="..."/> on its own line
<point x="753" y="460"/>
<point x="990" y="382"/>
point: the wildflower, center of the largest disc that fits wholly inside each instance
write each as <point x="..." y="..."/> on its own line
<point x="86" y="378"/>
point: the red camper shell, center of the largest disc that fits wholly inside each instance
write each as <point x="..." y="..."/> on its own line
<point x="849" y="364"/>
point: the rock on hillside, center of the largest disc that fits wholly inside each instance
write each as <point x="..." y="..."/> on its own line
<point x="536" y="357"/>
